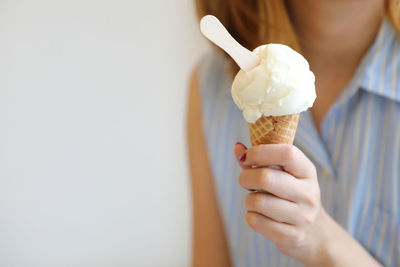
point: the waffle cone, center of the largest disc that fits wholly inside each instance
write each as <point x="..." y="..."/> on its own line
<point x="274" y="130"/>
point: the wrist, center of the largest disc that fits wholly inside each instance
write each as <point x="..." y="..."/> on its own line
<point x="338" y="248"/>
<point x="325" y="248"/>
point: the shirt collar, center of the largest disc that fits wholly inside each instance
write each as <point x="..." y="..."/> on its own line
<point x="378" y="73"/>
<point x="380" y="70"/>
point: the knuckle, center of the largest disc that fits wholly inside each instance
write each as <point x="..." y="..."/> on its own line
<point x="316" y="201"/>
<point x="241" y="178"/>
<point x="258" y="202"/>
<point x="317" y="194"/>
<point x="246" y="202"/>
<point x="307" y="218"/>
<point x="251" y="220"/>
<point x="290" y="152"/>
<point x="264" y="179"/>
<point x="310" y="200"/>
<point x="257" y="149"/>
<point x="254" y="151"/>
<point x="311" y="170"/>
<point x="283" y="249"/>
<point x="280" y="243"/>
<point x="295" y="238"/>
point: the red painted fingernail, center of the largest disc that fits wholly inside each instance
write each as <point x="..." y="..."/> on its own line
<point x="239" y="143"/>
<point x="243" y="157"/>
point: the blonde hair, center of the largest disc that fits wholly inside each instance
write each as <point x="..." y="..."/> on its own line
<point x="256" y="22"/>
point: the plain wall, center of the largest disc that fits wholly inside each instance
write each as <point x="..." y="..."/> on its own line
<point x="93" y="163"/>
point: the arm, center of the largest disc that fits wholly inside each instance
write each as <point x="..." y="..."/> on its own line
<point x="209" y="243"/>
<point x="344" y="250"/>
<point x="292" y="216"/>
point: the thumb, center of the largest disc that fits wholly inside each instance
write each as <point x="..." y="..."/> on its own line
<point x="240" y="153"/>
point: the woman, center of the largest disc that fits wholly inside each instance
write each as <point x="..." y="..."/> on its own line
<point x="336" y="200"/>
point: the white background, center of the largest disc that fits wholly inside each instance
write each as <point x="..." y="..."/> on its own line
<point x="93" y="165"/>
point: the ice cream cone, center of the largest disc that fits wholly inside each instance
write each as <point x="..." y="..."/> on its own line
<point x="274" y="129"/>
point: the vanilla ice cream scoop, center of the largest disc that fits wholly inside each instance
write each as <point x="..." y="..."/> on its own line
<point x="282" y="84"/>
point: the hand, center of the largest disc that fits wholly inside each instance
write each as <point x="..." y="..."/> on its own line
<point x="286" y="207"/>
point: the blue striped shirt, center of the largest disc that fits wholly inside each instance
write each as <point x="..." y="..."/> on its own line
<point x="357" y="155"/>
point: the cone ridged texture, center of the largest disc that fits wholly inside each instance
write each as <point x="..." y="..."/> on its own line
<point x="274" y="130"/>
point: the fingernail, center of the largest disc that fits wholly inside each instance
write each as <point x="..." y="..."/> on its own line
<point x="243" y="157"/>
<point x="240" y="143"/>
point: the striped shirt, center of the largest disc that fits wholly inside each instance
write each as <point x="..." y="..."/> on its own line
<point x="357" y="155"/>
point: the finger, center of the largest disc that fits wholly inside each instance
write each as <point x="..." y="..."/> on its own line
<point x="240" y="153"/>
<point x="276" y="182"/>
<point x="282" y="234"/>
<point x="289" y="157"/>
<point x="272" y="207"/>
